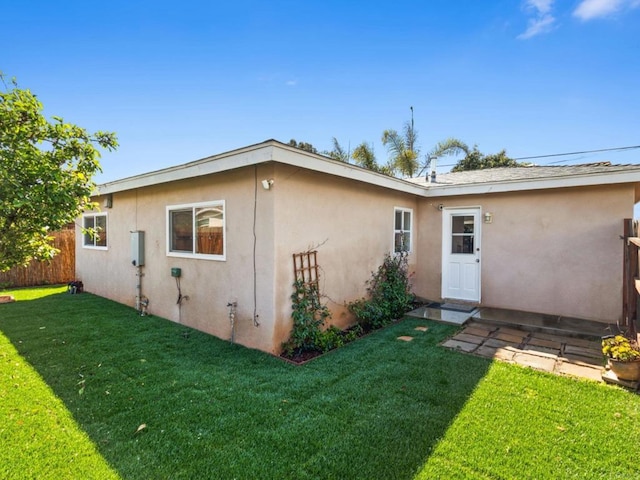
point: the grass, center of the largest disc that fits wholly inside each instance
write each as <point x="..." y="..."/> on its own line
<point x="81" y="375"/>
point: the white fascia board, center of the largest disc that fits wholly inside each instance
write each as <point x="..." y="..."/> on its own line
<point x="215" y="164"/>
<point x="256" y="154"/>
<point x="534" y="184"/>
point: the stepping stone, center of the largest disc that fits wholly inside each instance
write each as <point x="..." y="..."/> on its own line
<point x="481" y="332"/>
<point x="465" y="337"/>
<point x="421" y="329"/>
<point x="495" y="343"/>
<point x="578" y="370"/>
<point x="534" y="348"/>
<point x="462" y="346"/>
<point x="505" y="354"/>
<point x="537" y="362"/>
<point x="584" y="352"/>
<point x="509" y="337"/>
<point x="536" y="341"/>
<point x="7" y="299"/>
<point x="405" y="338"/>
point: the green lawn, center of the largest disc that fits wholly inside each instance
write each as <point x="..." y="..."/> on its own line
<point x="80" y="376"/>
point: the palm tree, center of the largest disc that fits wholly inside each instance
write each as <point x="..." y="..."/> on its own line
<point x="403" y="150"/>
<point x="364" y="157"/>
<point x="450" y="146"/>
<point x="337" y="152"/>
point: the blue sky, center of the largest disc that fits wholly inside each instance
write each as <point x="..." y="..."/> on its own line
<point x="178" y="81"/>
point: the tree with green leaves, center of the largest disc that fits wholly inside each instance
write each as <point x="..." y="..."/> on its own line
<point x="475" y="160"/>
<point x="307" y="147"/>
<point x="46" y="172"/>
<point x="337" y="152"/>
<point x="364" y="156"/>
<point x="450" y="146"/>
<point x="403" y="149"/>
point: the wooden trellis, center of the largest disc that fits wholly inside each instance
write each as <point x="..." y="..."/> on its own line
<point x="305" y="268"/>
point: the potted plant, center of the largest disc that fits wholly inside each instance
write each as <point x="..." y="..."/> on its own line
<point x="623" y="356"/>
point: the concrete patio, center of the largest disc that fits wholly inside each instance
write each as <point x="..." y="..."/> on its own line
<point x="560" y="345"/>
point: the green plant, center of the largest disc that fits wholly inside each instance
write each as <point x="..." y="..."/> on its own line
<point x="309" y="316"/>
<point x="619" y="347"/>
<point x="389" y="294"/>
<point x="330" y="338"/>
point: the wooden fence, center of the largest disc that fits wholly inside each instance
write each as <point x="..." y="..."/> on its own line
<point x="61" y="269"/>
<point x="631" y="283"/>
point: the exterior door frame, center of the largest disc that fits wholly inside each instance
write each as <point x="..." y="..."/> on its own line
<point x="447" y="215"/>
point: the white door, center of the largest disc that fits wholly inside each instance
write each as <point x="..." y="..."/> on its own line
<point x="461" y="254"/>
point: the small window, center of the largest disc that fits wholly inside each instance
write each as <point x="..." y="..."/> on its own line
<point x="196" y="230"/>
<point x="402" y="230"/>
<point x="462" y="234"/>
<point x="95" y="230"/>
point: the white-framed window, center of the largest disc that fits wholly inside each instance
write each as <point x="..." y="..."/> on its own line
<point x="197" y="230"/>
<point x="402" y="233"/>
<point x="95" y="231"/>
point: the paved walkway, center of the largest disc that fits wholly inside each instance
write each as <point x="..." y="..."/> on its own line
<point x="550" y="352"/>
<point x="555" y="344"/>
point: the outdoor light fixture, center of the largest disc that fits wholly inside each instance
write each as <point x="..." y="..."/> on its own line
<point x="488" y="217"/>
<point x="266" y="184"/>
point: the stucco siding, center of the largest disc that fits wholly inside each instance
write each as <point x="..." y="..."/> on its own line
<point x="350" y="224"/>
<point x="209" y="284"/>
<point x="555" y="251"/>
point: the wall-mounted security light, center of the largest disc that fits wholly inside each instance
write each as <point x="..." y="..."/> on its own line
<point x="266" y="184"/>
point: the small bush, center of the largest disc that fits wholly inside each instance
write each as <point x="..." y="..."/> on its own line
<point x="309" y="316"/>
<point x="389" y="294"/>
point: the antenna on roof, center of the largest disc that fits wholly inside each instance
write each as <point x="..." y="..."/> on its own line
<point x="433" y="162"/>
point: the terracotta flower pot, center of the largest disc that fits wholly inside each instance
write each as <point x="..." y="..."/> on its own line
<point x="625" y="370"/>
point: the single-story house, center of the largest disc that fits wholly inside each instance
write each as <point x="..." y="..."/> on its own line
<point x="196" y="242"/>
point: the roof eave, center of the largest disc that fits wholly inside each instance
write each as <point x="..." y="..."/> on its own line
<point x="585" y="180"/>
<point x="269" y="151"/>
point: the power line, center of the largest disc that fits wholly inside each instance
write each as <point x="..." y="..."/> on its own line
<point x="551" y="155"/>
<point x="616" y="149"/>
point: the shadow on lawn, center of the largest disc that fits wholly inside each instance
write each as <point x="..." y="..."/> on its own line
<point x="163" y="401"/>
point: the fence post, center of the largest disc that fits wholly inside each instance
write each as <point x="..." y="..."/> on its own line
<point x="630" y="292"/>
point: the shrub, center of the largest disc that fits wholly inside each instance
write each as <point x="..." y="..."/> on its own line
<point x="389" y="294"/>
<point x="309" y="316"/>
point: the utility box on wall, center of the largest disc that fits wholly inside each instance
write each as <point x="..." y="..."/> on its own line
<point x="137" y="248"/>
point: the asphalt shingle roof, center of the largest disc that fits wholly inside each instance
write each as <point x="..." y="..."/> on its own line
<point x="507" y="174"/>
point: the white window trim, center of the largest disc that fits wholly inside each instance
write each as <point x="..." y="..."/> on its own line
<point x="193" y="206"/>
<point x="94" y="215"/>
<point x="393" y="238"/>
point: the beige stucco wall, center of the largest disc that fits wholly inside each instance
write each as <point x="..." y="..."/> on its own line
<point x="209" y="284"/>
<point x="349" y="223"/>
<point x="549" y="251"/>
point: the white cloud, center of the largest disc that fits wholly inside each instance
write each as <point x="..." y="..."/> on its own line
<point x="541" y="6"/>
<point x="538" y="26"/>
<point x="590" y="9"/>
<point x="291" y="83"/>
<point x="542" y="22"/>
